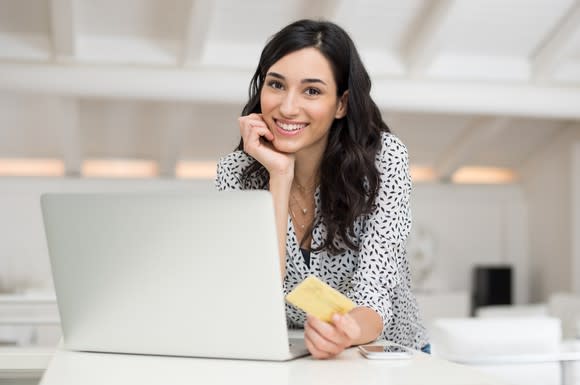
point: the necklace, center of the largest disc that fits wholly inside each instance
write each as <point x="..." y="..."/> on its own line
<point x="301" y="225"/>
<point x="303" y="210"/>
<point x="303" y="189"/>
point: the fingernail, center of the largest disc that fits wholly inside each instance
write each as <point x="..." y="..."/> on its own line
<point x="336" y="317"/>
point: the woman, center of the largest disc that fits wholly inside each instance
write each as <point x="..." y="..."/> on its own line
<point x="312" y="135"/>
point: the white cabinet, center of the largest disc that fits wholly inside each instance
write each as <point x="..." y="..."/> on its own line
<point x="442" y="304"/>
<point x="29" y="320"/>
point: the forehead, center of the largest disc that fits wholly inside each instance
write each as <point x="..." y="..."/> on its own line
<point x="307" y="63"/>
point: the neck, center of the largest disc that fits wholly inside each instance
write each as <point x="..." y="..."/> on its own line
<point x="306" y="179"/>
<point x="307" y="167"/>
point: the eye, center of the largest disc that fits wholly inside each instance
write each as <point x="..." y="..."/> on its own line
<point x="312" y="91"/>
<point x="275" y="84"/>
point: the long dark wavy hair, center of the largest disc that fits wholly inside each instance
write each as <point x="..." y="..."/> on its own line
<point x="349" y="179"/>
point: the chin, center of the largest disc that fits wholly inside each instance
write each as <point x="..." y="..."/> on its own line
<point x="285" y="147"/>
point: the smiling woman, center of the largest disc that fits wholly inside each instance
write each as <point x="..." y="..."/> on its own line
<point x="312" y="135"/>
<point x="300" y="102"/>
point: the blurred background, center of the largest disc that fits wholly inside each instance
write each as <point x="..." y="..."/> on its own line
<point x="143" y="95"/>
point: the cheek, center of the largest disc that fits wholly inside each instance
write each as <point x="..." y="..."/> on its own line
<point x="323" y="113"/>
<point x="267" y="102"/>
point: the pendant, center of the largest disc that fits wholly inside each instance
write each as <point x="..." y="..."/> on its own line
<point x="302" y="227"/>
<point x="304" y="211"/>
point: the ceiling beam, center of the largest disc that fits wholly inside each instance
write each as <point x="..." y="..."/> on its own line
<point x="63" y="29"/>
<point x="222" y="86"/>
<point x="473" y="141"/>
<point x="423" y="39"/>
<point x="197" y="29"/>
<point x="471" y="97"/>
<point x="554" y="48"/>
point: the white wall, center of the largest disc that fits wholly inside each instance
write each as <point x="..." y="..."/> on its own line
<point x="551" y="194"/>
<point x="470" y="224"/>
<point x="474" y="225"/>
<point x="23" y="251"/>
<point x="575" y="233"/>
<point x="77" y="129"/>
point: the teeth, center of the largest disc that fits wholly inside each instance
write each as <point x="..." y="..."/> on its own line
<point x="290" y="127"/>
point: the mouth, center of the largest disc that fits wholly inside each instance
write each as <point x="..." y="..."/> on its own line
<point x="289" y="128"/>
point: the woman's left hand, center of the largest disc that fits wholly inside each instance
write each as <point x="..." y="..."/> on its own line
<point x="326" y="340"/>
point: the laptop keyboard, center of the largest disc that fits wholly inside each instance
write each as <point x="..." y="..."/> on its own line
<point x="297" y="346"/>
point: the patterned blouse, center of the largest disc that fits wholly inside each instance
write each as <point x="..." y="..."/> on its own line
<point x="377" y="275"/>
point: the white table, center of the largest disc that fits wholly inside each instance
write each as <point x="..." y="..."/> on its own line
<point x="24" y="363"/>
<point x="75" y="368"/>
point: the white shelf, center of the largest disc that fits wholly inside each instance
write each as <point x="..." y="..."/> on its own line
<point x="28" y="299"/>
<point x="25" y="47"/>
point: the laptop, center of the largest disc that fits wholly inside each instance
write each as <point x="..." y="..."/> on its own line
<point x="193" y="274"/>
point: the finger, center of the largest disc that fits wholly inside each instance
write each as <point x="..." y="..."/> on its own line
<point x="254" y="118"/>
<point x="255" y="132"/>
<point x="316" y="339"/>
<point x="320" y="342"/>
<point x="255" y="127"/>
<point x="316" y="353"/>
<point x="249" y="124"/>
<point x="347" y="325"/>
<point x="328" y="331"/>
<point x="255" y="115"/>
<point x="252" y="135"/>
<point x="268" y="134"/>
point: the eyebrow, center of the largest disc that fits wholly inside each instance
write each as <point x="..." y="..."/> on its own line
<point x="308" y="80"/>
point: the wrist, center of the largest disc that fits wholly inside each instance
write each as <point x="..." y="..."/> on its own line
<point x="282" y="169"/>
<point x="281" y="179"/>
<point x="370" y="324"/>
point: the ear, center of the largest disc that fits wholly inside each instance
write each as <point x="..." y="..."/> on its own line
<point x="342" y="107"/>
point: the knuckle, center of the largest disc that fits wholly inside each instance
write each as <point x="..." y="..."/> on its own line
<point x="333" y="334"/>
<point x="326" y="346"/>
<point x="337" y="349"/>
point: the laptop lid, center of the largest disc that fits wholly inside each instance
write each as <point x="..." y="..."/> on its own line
<point x="171" y="274"/>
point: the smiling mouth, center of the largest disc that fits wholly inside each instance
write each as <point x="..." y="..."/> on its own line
<point x="290" y="127"/>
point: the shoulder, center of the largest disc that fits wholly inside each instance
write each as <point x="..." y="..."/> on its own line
<point x="393" y="152"/>
<point x="230" y="169"/>
<point x="236" y="162"/>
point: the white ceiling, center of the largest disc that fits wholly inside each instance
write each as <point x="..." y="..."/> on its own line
<point x="462" y="82"/>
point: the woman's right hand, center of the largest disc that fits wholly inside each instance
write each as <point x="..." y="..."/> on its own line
<point x="258" y="140"/>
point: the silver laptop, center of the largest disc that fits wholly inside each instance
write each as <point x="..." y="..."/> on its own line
<point x="169" y="274"/>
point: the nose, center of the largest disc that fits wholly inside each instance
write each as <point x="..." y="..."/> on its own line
<point x="289" y="106"/>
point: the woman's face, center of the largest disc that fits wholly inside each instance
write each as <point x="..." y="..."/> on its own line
<point x="299" y="101"/>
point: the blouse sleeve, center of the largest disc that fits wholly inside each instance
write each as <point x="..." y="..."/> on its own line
<point x="382" y="242"/>
<point x="229" y="171"/>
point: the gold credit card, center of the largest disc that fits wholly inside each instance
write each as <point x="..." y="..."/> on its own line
<point x="318" y="299"/>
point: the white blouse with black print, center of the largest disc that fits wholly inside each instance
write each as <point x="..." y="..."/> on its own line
<point x="377" y="275"/>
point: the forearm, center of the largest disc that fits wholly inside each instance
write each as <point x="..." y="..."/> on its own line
<point x="370" y="323"/>
<point x="280" y="189"/>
